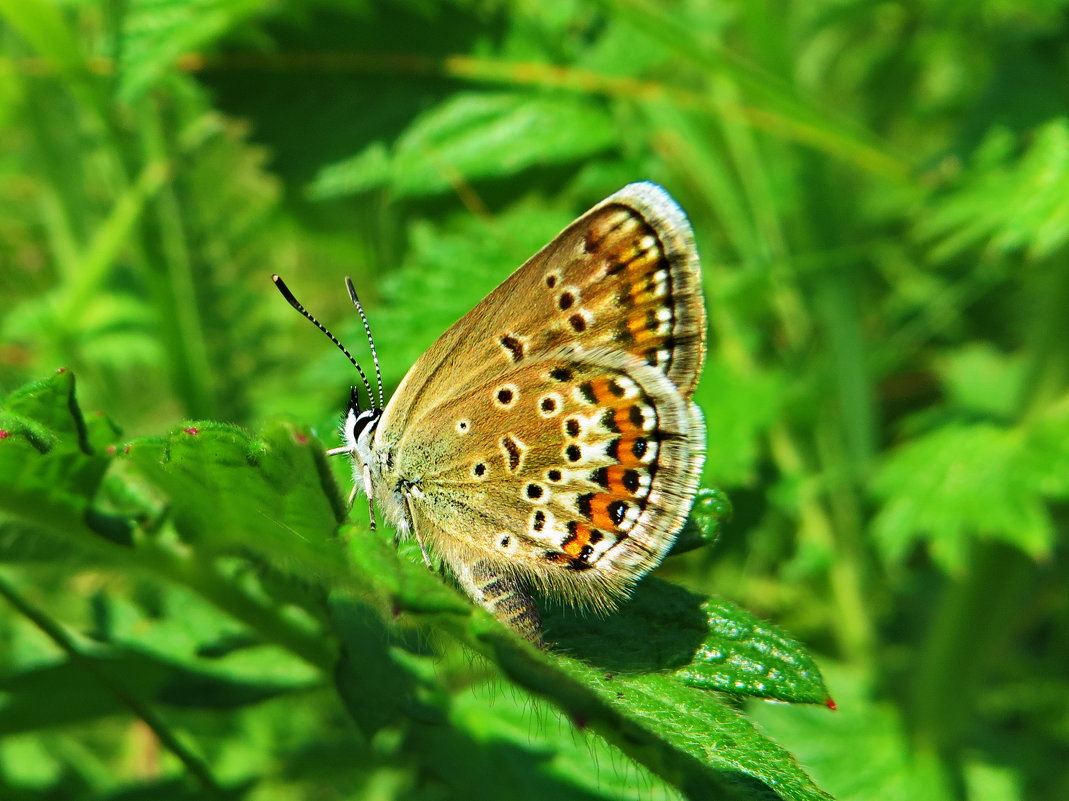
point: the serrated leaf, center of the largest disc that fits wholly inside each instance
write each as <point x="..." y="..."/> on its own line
<point x="1008" y="201"/>
<point x="957" y="483"/>
<point x="274" y="495"/>
<point x="470" y="136"/>
<point x="156" y="32"/>
<point x="639" y="678"/>
<point x="705" y="643"/>
<point x="51" y="465"/>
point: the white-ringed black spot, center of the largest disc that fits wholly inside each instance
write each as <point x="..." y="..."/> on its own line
<point x="617" y="510"/>
<point x="505" y="540"/>
<point x="534" y="491"/>
<point x="479" y="470"/>
<point x="506" y="395"/>
<point x="549" y="405"/>
<point x="565" y="300"/>
<point x="553" y="475"/>
<point x="538" y="520"/>
<point x="572" y="427"/>
<point x="463" y="426"/>
<point x="573" y="453"/>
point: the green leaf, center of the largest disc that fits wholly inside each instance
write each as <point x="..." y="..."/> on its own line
<point x="472" y="136"/>
<point x="274" y="495"/>
<point x="156" y="32"/>
<point x="960" y="482"/>
<point x="51" y="460"/>
<point x="643" y="678"/>
<point x="710" y="513"/>
<point x="65" y="693"/>
<point x="980" y="380"/>
<point x="1028" y="179"/>
<point x="706" y="643"/>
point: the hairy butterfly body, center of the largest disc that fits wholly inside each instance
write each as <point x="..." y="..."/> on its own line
<point x="548" y="441"/>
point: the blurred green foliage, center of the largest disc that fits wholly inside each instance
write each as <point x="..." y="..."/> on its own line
<point x="879" y="194"/>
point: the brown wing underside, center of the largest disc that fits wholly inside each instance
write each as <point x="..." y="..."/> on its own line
<point x="623" y="276"/>
<point x="572" y="470"/>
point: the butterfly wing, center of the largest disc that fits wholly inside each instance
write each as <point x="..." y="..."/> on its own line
<point x="548" y="436"/>
<point x="572" y="472"/>
<point x="623" y="276"/>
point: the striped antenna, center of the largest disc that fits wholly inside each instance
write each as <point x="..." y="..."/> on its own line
<point x="370" y="339"/>
<point x="285" y="290"/>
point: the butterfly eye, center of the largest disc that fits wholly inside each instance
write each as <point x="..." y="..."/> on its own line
<point x="362" y="421"/>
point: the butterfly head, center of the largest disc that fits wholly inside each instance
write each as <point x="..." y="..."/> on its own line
<point x="358" y="429"/>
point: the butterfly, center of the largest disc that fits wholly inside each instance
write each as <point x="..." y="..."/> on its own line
<point x="548" y="443"/>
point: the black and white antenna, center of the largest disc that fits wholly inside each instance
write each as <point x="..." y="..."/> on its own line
<point x="285" y="290"/>
<point x="370" y="340"/>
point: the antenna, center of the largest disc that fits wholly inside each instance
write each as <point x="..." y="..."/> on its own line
<point x="285" y="290"/>
<point x="370" y="340"/>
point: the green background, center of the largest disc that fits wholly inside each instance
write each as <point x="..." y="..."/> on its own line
<point x="880" y="194"/>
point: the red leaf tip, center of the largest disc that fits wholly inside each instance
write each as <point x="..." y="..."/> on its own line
<point x="830" y="704"/>
<point x="300" y="438"/>
<point x="192" y="431"/>
<point x="4" y="433"/>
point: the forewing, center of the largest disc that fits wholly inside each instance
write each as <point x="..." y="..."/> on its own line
<point x="624" y="276"/>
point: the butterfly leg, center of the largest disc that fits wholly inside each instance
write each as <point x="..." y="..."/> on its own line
<point x="370" y="496"/>
<point x="503" y="596"/>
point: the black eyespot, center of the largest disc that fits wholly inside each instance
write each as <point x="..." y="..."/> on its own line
<point x="551" y="281"/>
<point x="479" y="469"/>
<point x="578" y="323"/>
<point x="639" y="448"/>
<point x="572" y="427"/>
<point x="539" y="520"/>
<point x="561" y="373"/>
<point x="534" y="492"/>
<point x="565" y="300"/>
<point x="504" y="396"/>
<point x="549" y="405"/>
<point x="573" y="453"/>
<point x="553" y="475"/>
<point x="617" y="510"/>
<point x="584" y="503"/>
<point x="505" y="541"/>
